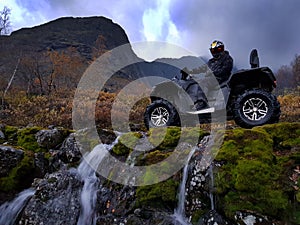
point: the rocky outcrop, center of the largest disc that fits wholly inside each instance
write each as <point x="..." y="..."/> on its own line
<point x="254" y="180"/>
<point x="56" y="201"/>
<point x="9" y="158"/>
<point x="50" y="138"/>
<point x="59" y="34"/>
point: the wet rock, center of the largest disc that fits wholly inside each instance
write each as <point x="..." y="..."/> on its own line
<point x="106" y="136"/>
<point x="151" y="217"/>
<point x="56" y="201"/>
<point x="115" y="199"/>
<point x="69" y="152"/>
<point x="198" y="194"/>
<point x="212" y="218"/>
<point x="41" y="164"/>
<point x="2" y="136"/>
<point x="49" y="138"/>
<point x="9" y="158"/>
<point x="251" y="218"/>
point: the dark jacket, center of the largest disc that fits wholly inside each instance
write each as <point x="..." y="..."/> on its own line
<point x="221" y="66"/>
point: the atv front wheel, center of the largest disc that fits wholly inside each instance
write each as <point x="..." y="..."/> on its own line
<point x="255" y="108"/>
<point x="161" y="113"/>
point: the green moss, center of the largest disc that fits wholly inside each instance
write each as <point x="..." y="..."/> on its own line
<point x="246" y="144"/>
<point x="159" y="195"/>
<point x="20" y="177"/>
<point x="10" y="134"/>
<point x="284" y="135"/>
<point x="152" y="158"/>
<point x="197" y="214"/>
<point x="27" y="140"/>
<point x="168" y="138"/>
<point x="165" y="138"/>
<point x="251" y="176"/>
<point x="126" y="143"/>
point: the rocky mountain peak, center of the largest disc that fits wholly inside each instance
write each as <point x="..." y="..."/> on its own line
<point x="59" y="34"/>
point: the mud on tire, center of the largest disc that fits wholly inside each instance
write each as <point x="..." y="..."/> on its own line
<point x="161" y="113"/>
<point x="256" y="107"/>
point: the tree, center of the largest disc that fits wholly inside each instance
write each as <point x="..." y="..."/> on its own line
<point x="296" y="70"/>
<point x="67" y="69"/>
<point x="33" y="71"/>
<point x="99" y="47"/>
<point x="285" y="77"/>
<point x="5" y="21"/>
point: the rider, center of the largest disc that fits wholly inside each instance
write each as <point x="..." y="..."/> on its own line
<point x="220" y="65"/>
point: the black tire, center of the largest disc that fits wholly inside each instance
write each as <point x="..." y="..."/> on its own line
<point x="255" y="108"/>
<point x="161" y="113"/>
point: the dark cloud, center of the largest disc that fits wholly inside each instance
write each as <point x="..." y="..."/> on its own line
<point x="270" y="26"/>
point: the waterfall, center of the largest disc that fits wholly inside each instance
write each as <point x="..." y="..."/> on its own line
<point x="91" y="183"/>
<point x="179" y="214"/>
<point x="211" y="186"/>
<point x="9" y="211"/>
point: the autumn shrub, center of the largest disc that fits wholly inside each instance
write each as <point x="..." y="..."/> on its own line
<point x="290" y="107"/>
<point x="39" y="110"/>
<point x="56" y="108"/>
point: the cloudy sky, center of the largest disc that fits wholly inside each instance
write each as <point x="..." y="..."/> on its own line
<point x="271" y="26"/>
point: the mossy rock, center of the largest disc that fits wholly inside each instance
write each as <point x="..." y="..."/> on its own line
<point x="153" y="157"/>
<point x="19" y="177"/>
<point x="253" y="176"/>
<point x="284" y="135"/>
<point x="10" y="134"/>
<point x="243" y="143"/>
<point x="126" y="143"/>
<point x="168" y="138"/>
<point x="27" y="139"/>
<point x="159" y="195"/>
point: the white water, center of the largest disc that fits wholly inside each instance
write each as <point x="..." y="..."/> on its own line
<point x="211" y="187"/>
<point x="179" y="214"/>
<point x="91" y="183"/>
<point x="9" y="211"/>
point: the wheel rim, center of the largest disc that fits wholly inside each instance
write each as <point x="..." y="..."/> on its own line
<point x="255" y="109"/>
<point x="160" y="116"/>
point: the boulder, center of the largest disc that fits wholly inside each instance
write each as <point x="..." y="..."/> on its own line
<point x="9" y="158"/>
<point x="56" y="201"/>
<point x="69" y="152"/>
<point x="49" y="138"/>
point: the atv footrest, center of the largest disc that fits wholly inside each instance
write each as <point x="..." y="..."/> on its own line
<point x="202" y="111"/>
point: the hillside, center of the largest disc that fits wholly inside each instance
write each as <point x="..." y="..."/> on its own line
<point x="62" y="33"/>
<point x="49" y="53"/>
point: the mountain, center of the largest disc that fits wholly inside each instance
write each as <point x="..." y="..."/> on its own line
<point x="80" y="33"/>
<point x="79" y="38"/>
<point x="43" y="53"/>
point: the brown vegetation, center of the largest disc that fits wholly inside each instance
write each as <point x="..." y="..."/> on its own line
<point x="56" y="109"/>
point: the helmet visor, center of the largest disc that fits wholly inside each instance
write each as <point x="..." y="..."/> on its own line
<point x="216" y="50"/>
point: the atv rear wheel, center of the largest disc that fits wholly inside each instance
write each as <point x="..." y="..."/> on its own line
<point x="255" y="108"/>
<point x="161" y="113"/>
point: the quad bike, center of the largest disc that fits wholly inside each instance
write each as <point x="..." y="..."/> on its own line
<point x="246" y="97"/>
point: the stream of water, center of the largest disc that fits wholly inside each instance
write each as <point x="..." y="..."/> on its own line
<point x="9" y="211"/>
<point x="211" y="186"/>
<point x="179" y="214"/>
<point x="91" y="182"/>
